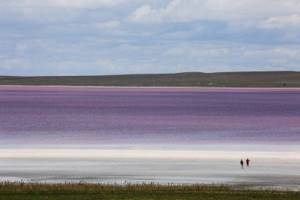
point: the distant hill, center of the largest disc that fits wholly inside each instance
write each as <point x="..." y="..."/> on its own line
<point x="224" y="79"/>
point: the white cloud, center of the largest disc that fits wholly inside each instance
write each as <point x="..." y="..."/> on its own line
<point x="290" y="21"/>
<point x="227" y="10"/>
<point x="231" y="57"/>
<point x="13" y="63"/>
<point x="61" y="3"/>
<point x="200" y="51"/>
<point x="148" y="14"/>
<point x="107" y="64"/>
<point x="52" y="10"/>
<point x="113" y="24"/>
<point x="95" y="36"/>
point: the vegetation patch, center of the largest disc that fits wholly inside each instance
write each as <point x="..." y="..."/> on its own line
<point x="21" y="191"/>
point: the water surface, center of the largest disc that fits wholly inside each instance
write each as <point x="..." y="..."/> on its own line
<point x="95" y="115"/>
<point x="179" y="135"/>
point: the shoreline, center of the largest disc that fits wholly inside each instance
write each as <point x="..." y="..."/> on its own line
<point x="266" y="169"/>
<point x="152" y="87"/>
<point x="223" y="79"/>
<point x="253" y="186"/>
<point x="28" y="153"/>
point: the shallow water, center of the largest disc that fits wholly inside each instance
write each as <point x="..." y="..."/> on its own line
<point x="178" y="171"/>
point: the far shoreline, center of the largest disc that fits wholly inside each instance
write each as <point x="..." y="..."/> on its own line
<point x="268" y="79"/>
<point x="152" y="87"/>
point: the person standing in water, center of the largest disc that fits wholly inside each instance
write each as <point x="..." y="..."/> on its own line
<point x="242" y="163"/>
<point x="248" y="162"/>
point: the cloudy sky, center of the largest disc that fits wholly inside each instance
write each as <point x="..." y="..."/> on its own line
<point x="75" y="37"/>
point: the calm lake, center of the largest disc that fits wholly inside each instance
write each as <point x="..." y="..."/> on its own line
<point x="179" y="135"/>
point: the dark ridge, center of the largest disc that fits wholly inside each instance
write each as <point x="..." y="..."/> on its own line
<point x="196" y="79"/>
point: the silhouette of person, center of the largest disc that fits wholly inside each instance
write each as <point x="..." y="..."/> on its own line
<point x="248" y="162"/>
<point x="242" y="163"/>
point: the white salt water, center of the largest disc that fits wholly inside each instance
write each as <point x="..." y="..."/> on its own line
<point x="269" y="168"/>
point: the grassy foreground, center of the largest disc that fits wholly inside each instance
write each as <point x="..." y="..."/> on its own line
<point x="139" y="192"/>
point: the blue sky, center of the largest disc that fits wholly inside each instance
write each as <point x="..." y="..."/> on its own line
<point x="82" y="37"/>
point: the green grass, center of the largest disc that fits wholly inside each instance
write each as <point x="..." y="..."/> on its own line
<point x="138" y="192"/>
<point x="195" y="79"/>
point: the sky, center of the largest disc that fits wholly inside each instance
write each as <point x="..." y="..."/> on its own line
<point x="99" y="37"/>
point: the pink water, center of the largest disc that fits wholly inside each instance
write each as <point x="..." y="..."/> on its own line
<point x="176" y="116"/>
<point x="164" y="135"/>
